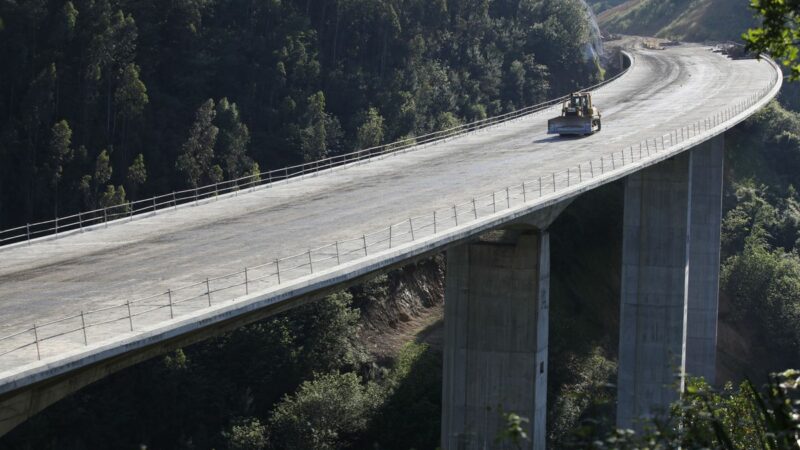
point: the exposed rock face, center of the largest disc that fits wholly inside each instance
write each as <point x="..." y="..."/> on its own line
<point x="403" y="305"/>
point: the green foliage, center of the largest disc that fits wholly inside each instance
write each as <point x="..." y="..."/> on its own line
<point x="131" y="94"/>
<point x="586" y="396"/>
<point x="254" y="173"/>
<point x="324" y="412"/>
<point x="59" y="150"/>
<point x="198" y="151"/>
<point x="514" y="432"/>
<point x="113" y="196"/>
<point x="137" y="172"/>
<point x="413" y="388"/>
<point x="744" y="418"/>
<point x="215" y="174"/>
<point x="246" y="434"/>
<point x="778" y="33"/>
<point x="314" y="136"/>
<point x="370" y="133"/>
<point x="764" y="289"/>
<point x="102" y="168"/>
<point x="70" y="15"/>
<point x="233" y="139"/>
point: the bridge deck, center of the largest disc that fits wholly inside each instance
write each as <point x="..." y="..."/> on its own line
<point x="50" y="279"/>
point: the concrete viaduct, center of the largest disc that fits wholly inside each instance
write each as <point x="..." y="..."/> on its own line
<point x="80" y="305"/>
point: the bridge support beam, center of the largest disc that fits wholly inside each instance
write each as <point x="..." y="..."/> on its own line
<point x="496" y="327"/>
<point x="670" y="280"/>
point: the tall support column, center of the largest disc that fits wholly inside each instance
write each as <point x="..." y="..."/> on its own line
<point x="496" y="327"/>
<point x="703" y="291"/>
<point x="670" y="277"/>
<point x="653" y="288"/>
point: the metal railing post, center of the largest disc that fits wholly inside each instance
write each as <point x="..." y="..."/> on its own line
<point x="540" y="187"/>
<point x="174" y="201"/>
<point x="364" y="239"/>
<point x="154" y="205"/>
<point x="278" y="270"/>
<point x="568" y="173"/>
<point x="602" y="165"/>
<point x="554" y="181"/>
<point x="310" y="261"/>
<point x="80" y="221"/>
<point x="195" y="196"/>
<point x="390" y="236"/>
<point x="508" y="198"/>
<point x="28" y="232"/>
<point x="494" y="205"/>
<point x="56" y="226"/>
<point x="338" y="260"/>
<point x="169" y="296"/>
<point x="455" y="213"/>
<point x="246" y="283"/>
<point x="208" y="291"/>
<point x="83" y="327"/>
<point x="36" y="341"/>
<point x="411" y="227"/>
<point x="474" y="208"/>
<point x="613" y="164"/>
<point x="524" y="194"/>
<point x="105" y="217"/>
<point x="130" y="316"/>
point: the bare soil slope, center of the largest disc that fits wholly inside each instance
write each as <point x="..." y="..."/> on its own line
<point x="686" y="20"/>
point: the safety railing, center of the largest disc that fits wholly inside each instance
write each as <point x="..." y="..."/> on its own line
<point x="130" y="210"/>
<point x="98" y="324"/>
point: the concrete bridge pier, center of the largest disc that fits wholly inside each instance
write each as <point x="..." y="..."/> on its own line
<point x="496" y="326"/>
<point x="670" y="280"/>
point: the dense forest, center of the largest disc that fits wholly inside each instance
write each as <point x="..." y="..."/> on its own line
<point x="102" y="101"/>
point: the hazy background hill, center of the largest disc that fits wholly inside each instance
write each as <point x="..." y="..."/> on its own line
<point x="687" y="20"/>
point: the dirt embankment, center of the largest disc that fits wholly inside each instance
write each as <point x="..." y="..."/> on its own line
<point x="401" y="306"/>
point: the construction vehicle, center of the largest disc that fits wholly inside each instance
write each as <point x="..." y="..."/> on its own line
<point x="578" y="117"/>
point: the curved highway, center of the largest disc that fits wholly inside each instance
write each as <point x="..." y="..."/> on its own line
<point x="664" y="90"/>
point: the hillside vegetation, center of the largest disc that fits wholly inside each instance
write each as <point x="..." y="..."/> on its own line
<point x="102" y="101"/>
<point x="686" y="20"/>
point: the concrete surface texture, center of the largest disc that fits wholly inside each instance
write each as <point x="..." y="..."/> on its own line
<point x="105" y="268"/>
<point x="496" y="332"/>
<point x="654" y="264"/>
<point x="702" y="307"/>
<point x="670" y="277"/>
